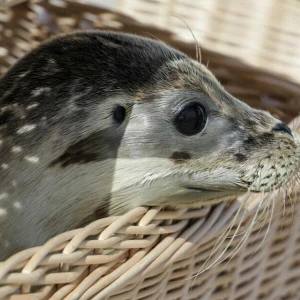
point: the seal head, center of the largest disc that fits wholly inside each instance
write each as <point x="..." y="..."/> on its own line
<point x="96" y="123"/>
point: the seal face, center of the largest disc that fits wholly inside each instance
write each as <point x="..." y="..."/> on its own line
<point x="96" y="123"/>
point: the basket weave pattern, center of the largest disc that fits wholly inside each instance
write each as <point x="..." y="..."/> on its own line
<point x="165" y="249"/>
<point x="150" y="253"/>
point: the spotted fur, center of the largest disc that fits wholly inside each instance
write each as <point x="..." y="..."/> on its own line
<point x="64" y="161"/>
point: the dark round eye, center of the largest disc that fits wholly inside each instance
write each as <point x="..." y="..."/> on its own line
<point x="191" y="120"/>
<point x="119" y="114"/>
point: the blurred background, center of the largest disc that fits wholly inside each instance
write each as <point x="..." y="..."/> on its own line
<point x="265" y="33"/>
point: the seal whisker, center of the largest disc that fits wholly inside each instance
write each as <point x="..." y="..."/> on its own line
<point x="217" y="245"/>
<point x="234" y="250"/>
<point x="226" y="232"/>
<point x="292" y="202"/>
<point x="266" y="216"/>
<point x="198" y="49"/>
<point x="247" y="232"/>
<point x="224" y="235"/>
<point x="218" y="260"/>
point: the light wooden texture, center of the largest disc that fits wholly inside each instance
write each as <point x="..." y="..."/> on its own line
<point x="150" y="253"/>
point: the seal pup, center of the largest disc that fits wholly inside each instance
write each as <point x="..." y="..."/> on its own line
<point x="96" y="123"/>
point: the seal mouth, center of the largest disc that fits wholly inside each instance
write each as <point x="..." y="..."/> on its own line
<point x="215" y="190"/>
<point x="200" y="190"/>
<point x="197" y="196"/>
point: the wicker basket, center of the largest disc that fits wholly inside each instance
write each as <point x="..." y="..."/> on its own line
<point x="150" y="253"/>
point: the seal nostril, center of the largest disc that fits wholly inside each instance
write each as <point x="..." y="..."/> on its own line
<point x="282" y="127"/>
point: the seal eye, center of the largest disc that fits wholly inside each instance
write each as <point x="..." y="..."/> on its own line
<point x="191" y="120"/>
<point x="119" y="114"/>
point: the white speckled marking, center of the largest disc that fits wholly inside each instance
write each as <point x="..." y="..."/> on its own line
<point x="26" y="128"/>
<point x="16" y="149"/>
<point x="32" y="159"/>
<point x="17" y="205"/>
<point x="4" y="166"/>
<point x="38" y="91"/>
<point x="3" y="212"/>
<point x="33" y="105"/>
<point x="3" y="196"/>
<point x="24" y="74"/>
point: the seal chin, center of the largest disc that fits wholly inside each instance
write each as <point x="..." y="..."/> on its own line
<point x="208" y="197"/>
<point x="198" y="197"/>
